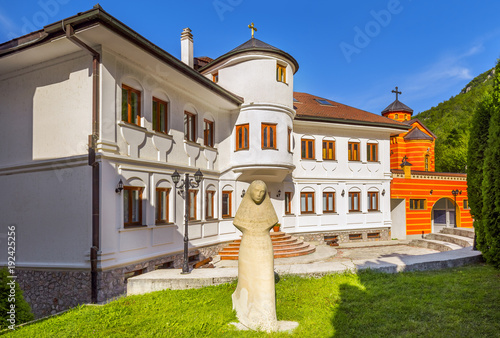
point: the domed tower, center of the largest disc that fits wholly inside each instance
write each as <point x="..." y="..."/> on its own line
<point x="261" y="144"/>
<point x="415" y="146"/>
<point x="398" y="110"/>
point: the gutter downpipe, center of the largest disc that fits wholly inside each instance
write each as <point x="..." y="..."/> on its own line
<point x="94" y="249"/>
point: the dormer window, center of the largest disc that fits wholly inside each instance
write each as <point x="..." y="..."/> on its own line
<point x="280" y="73"/>
<point x="215" y="77"/>
<point x="323" y="102"/>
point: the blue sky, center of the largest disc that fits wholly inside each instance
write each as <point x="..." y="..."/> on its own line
<point x="353" y="52"/>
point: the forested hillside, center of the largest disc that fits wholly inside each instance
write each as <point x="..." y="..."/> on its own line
<point x="450" y="122"/>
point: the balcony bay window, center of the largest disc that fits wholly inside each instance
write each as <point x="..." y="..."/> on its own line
<point x="242" y="135"/>
<point x="268" y="136"/>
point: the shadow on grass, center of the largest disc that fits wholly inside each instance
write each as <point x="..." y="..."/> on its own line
<point x="461" y="302"/>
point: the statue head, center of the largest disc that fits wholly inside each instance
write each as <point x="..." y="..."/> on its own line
<point x="256" y="210"/>
<point x="257" y="191"/>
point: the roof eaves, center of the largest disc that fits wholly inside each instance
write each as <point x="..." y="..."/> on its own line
<point x="355" y="122"/>
<point x="423" y="126"/>
<point x="97" y="14"/>
<point x="252" y="49"/>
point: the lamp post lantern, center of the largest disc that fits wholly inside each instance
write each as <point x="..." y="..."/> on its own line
<point x="455" y="193"/>
<point x="184" y="186"/>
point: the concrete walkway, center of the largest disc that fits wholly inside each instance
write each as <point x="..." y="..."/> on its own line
<point x="390" y="257"/>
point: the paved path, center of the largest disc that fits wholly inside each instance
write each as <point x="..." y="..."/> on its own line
<point x="391" y="257"/>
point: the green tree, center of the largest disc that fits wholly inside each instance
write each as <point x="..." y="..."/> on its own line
<point x="490" y="223"/>
<point x="11" y="294"/>
<point x="478" y="141"/>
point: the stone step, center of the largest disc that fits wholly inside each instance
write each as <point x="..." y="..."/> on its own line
<point x="283" y="242"/>
<point x="305" y="251"/>
<point x="464" y="232"/>
<point x="276" y="246"/>
<point x="277" y="250"/>
<point x="450" y="238"/>
<point x="284" y="245"/>
<point x="434" y="244"/>
<point x="273" y="238"/>
<point x="287" y="248"/>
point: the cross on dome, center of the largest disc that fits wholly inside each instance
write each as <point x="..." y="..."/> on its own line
<point x="252" y="27"/>
<point x="397" y="92"/>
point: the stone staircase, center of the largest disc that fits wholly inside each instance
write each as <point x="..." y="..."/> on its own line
<point x="284" y="246"/>
<point x="446" y="240"/>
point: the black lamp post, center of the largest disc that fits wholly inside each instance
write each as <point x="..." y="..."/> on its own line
<point x="184" y="186"/>
<point x="455" y="193"/>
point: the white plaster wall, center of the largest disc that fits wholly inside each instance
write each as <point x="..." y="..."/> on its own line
<point x="121" y="246"/>
<point x="51" y="210"/>
<point x="340" y="167"/>
<point x="141" y="142"/>
<point x="253" y="76"/>
<point x="339" y="175"/>
<point x="46" y="110"/>
<point x="255" y="155"/>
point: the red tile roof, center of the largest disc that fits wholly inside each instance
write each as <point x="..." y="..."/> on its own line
<point x="205" y="58"/>
<point x="308" y="108"/>
<point x="415" y="120"/>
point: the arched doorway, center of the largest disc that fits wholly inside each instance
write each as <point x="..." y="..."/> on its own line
<point x="444" y="215"/>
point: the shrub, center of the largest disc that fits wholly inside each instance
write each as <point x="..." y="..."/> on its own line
<point x="11" y="294"/>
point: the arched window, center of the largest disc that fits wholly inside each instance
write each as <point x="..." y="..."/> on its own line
<point x="131" y="105"/>
<point x="307" y="147"/>
<point x="189" y="126"/>
<point x="307" y="201"/>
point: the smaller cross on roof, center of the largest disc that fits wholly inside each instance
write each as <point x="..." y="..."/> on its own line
<point x="397" y="92"/>
<point x="252" y="27"/>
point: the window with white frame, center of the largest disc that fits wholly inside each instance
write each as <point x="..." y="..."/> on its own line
<point x="373" y="201"/>
<point x="162" y="205"/>
<point x="328" y="202"/>
<point x="354" y="201"/>
<point x="132" y="206"/>
<point x="307" y="202"/>
<point x="209" y="204"/>
<point x="193" y="204"/>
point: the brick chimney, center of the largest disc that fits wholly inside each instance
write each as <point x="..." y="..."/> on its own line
<point x="187" y="47"/>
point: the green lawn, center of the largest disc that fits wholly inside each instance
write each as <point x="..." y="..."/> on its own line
<point x="462" y="302"/>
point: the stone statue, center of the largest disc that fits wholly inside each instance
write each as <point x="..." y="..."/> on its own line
<point x="254" y="299"/>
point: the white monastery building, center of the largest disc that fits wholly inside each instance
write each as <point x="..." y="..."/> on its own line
<point x="87" y="104"/>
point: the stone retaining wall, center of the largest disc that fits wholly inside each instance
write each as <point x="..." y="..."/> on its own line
<point x="384" y="234"/>
<point x="52" y="291"/>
